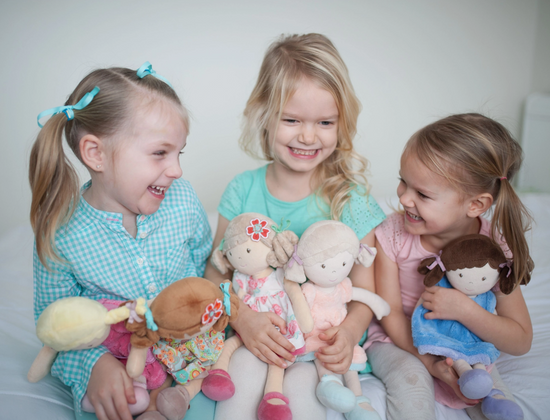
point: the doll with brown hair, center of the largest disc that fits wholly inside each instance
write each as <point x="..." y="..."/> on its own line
<point x="185" y="326"/>
<point x="253" y="244"/>
<point x="474" y="265"/>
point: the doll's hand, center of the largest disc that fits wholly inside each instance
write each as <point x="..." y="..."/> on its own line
<point x="443" y="370"/>
<point x="338" y="353"/>
<point x="259" y="335"/>
<point x="110" y="389"/>
<point x="445" y="303"/>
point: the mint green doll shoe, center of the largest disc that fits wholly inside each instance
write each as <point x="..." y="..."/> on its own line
<point x="359" y="413"/>
<point x="332" y="393"/>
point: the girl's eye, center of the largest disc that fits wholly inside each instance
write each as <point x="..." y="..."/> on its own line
<point x="422" y="195"/>
<point x="322" y="265"/>
<point x="326" y="123"/>
<point x="400" y="180"/>
<point x="248" y="250"/>
<point x="483" y="278"/>
<point x="160" y="152"/>
<point x="460" y="275"/>
<point x="182" y="152"/>
<point x="289" y="120"/>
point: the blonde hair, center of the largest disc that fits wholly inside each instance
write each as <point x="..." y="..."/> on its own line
<point x="54" y="181"/>
<point x="478" y="155"/>
<point x="287" y="61"/>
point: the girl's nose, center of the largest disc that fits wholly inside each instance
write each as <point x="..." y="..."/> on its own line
<point x="174" y="171"/>
<point x="308" y="135"/>
<point x="405" y="198"/>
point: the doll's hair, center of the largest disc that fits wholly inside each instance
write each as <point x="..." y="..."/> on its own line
<point x="53" y="179"/>
<point x="281" y="243"/>
<point x="288" y="61"/>
<point x="478" y="155"/>
<point x="470" y="251"/>
<point x="178" y="310"/>
<point x="323" y="240"/>
<point x="70" y="322"/>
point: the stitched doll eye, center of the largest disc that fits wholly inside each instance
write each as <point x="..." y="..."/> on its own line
<point x="484" y="278"/>
<point x="230" y="254"/>
<point x="248" y="250"/>
<point x="460" y="275"/>
<point x="322" y="265"/>
<point x="343" y="264"/>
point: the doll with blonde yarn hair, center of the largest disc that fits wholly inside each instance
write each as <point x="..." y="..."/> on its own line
<point x="253" y="244"/>
<point x="325" y="255"/>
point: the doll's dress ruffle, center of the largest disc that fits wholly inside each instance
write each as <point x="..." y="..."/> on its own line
<point x="450" y="338"/>
<point x="187" y="359"/>
<point x="268" y="295"/>
<point x="118" y="344"/>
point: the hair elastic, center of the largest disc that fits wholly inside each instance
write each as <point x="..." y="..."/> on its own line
<point x="226" y="297"/>
<point x="295" y="258"/>
<point x="147" y="69"/>
<point x="150" y="321"/>
<point x="508" y="264"/>
<point x="437" y="262"/>
<point x="68" y="110"/>
<point x="503" y="178"/>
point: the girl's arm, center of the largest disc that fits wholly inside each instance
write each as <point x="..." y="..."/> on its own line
<point x="337" y="355"/>
<point x="398" y="326"/>
<point x="257" y="329"/>
<point x="509" y="331"/>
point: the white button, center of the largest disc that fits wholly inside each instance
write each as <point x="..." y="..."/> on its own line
<point x="140" y="261"/>
<point x="152" y="288"/>
<point x="143" y="235"/>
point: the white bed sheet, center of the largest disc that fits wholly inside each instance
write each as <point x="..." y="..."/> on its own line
<point x="527" y="376"/>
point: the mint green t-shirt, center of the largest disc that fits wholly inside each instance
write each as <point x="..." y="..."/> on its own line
<point x="248" y="192"/>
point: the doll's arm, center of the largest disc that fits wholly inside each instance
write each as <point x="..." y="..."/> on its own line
<point x="299" y="305"/>
<point x="136" y="362"/>
<point x="378" y="305"/>
<point x="42" y="364"/>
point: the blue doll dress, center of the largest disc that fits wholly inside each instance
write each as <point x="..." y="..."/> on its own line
<point x="450" y="338"/>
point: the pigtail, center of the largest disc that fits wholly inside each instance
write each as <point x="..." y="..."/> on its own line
<point x="283" y="248"/>
<point x="511" y="219"/>
<point x="432" y="276"/>
<point x="366" y="255"/>
<point x="142" y="337"/>
<point x="54" y="185"/>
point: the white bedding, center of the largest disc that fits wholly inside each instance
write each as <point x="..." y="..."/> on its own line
<point x="527" y="376"/>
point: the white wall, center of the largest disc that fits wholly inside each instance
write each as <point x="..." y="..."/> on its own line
<point x="410" y="61"/>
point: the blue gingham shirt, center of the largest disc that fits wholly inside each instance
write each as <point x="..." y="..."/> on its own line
<point x="105" y="261"/>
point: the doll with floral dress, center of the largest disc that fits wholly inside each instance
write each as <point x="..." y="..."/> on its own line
<point x="256" y="248"/>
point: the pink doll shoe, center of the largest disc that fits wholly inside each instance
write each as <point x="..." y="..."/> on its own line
<point x="267" y="411"/>
<point x="142" y="400"/>
<point x="218" y="385"/>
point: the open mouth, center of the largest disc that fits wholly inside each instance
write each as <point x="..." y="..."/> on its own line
<point x="414" y="217"/>
<point x="303" y="153"/>
<point x="156" y="190"/>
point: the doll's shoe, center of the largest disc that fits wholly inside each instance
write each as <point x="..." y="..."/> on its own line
<point x="268" y="411"/>
<point x="142" y="400"/>
<point x="362" y="413"/>
<point x="475" y="384"/>
<point x="495" y="408"/>
<point x="173" y="402"/>
<point x="218" y="385"/>
<point x="332" y="393"/>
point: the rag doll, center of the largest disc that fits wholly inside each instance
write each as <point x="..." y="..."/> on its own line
<point x="184" y="325"/>
<point x="76" y="323"/>
<point x="473" y="264"/>
<point x="325" y="255"/>
<point x="255" y="247"/>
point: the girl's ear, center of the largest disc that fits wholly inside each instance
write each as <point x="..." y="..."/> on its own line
<point x="220" y="262"/>
<point x="92" y="152"/>
<point x="479" y="204"/>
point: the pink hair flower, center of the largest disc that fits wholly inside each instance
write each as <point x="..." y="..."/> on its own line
<point x="213" y="312"/>
<point x="257" y="229"/>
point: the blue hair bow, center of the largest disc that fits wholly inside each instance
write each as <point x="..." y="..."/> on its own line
<point x="147" y="69"/>
<point x="226" y="297"/>
<point x="68" y="110"/>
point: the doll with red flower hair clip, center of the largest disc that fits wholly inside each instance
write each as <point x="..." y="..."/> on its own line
<point x="256" y="249"/>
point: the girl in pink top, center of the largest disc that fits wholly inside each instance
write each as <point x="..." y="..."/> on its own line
<point x="452" y="172"/>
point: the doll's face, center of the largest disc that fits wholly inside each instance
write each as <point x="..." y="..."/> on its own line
<point x="331" y="271"/>
<point x="473" y="281"/>
<point x="249" y="257"/>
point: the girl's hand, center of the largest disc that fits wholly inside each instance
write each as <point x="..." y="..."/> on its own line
<point x="110" y="389"/>
<point x="443" y="370"/>
<point x="445" y="303"/>
<point x="260" y="335"/>
<point x="338" y="353"/>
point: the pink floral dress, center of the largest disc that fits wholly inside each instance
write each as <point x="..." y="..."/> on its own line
<point x="268" y="295"/>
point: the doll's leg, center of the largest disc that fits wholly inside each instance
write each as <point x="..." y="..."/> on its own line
<point x="474" y="382"/>
<point x="362" y="410"/>
<point x="498" y="405"/>
<point x="249" y="376"/>
<point x="218" y="385"/>
<point x="299" y="384"/>
<point x="173" y="402"/>
<point x="155" y="393"/>
<point x="409" y="386"/>
<point x="331" y="391"/>
<point x="274" y="404"/>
